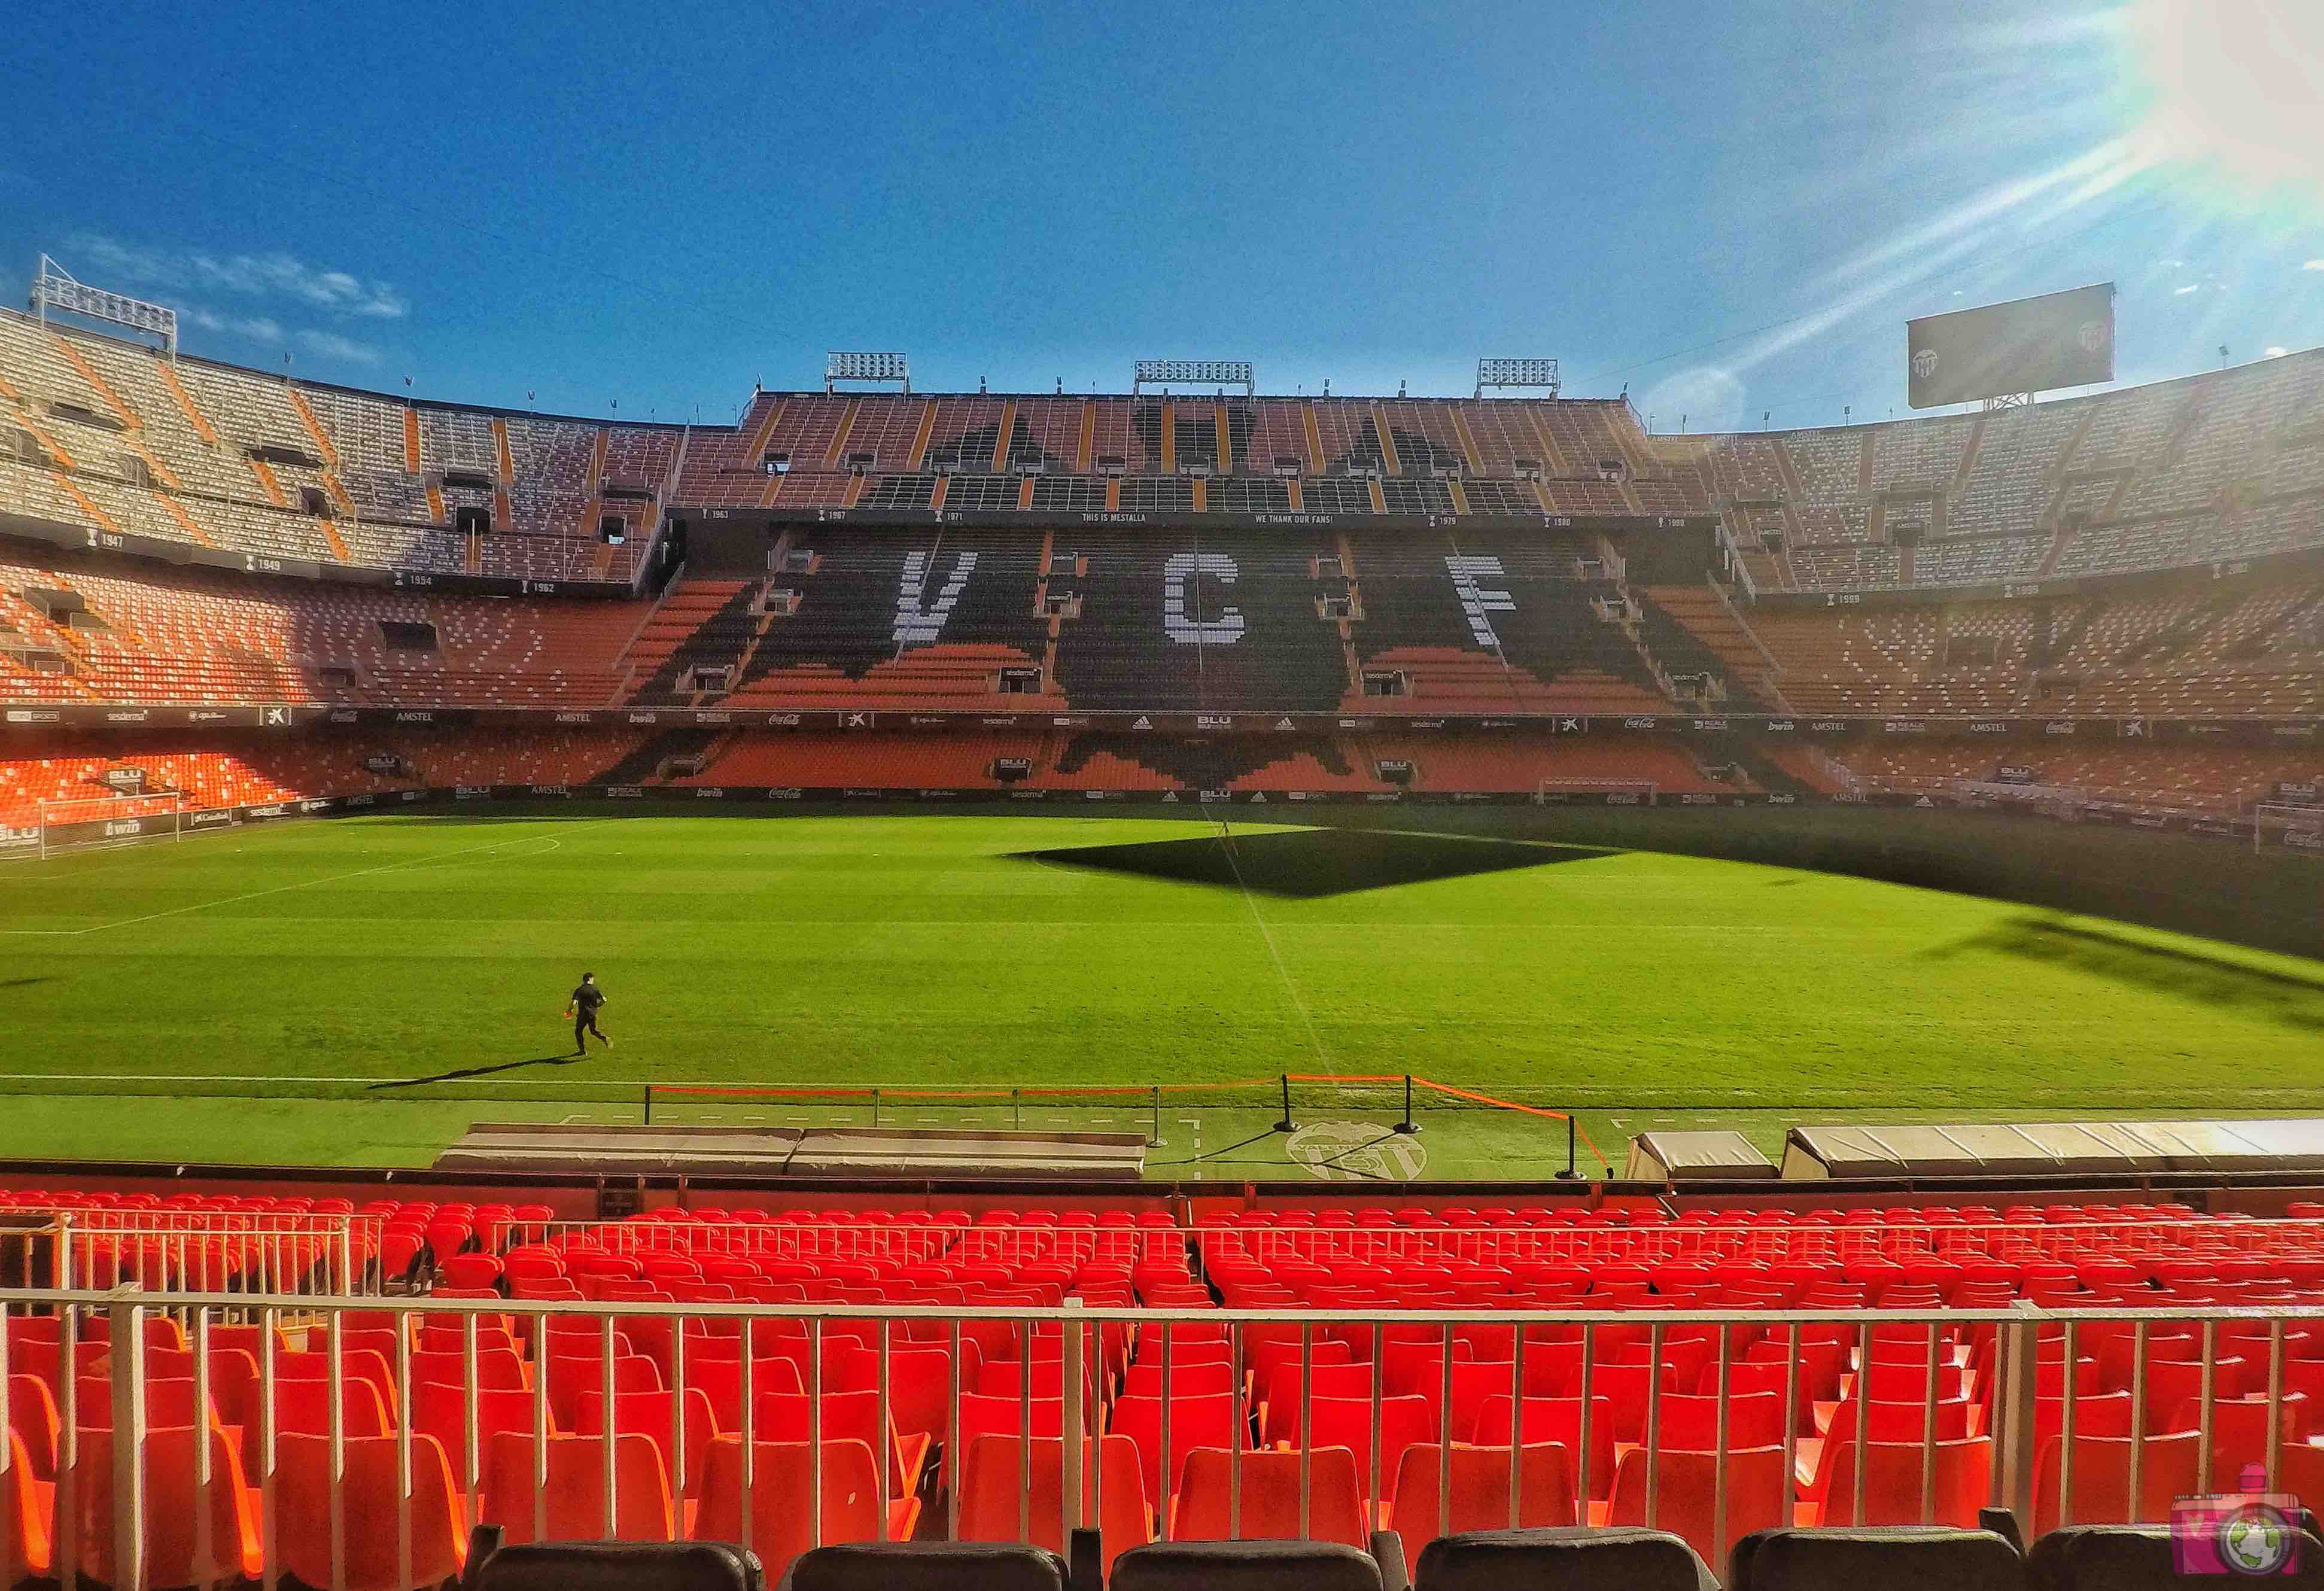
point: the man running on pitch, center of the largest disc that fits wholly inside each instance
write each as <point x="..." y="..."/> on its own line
<point x="584" y="1012"/>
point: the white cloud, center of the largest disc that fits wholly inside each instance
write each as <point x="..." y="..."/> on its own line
<point x="1703" y="398"/>
<point x="331" y="345"/>
<point x="257" y="327"/>
<point x="271" y="275"/>
<point x="2276" y="352"/>
<point x="2314" y="265"/>
<point x="2190" y="287"/>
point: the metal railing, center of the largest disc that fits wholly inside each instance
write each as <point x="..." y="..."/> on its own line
<point x="205" y="1251"/>
<point x="779" y="1239"/>
<point x="434" y="1413"/>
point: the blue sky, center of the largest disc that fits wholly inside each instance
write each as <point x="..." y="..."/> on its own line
<point x="1729" y="208"/>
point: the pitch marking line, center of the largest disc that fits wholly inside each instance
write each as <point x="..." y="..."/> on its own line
<point x="1314" y="1039"/>
<point x="203" y="906"/>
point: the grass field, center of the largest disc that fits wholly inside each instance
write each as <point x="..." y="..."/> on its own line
<point x="359" y="991"/>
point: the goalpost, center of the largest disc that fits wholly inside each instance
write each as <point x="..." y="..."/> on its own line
<point x="82" y="822"/>
<point x="1613" y="792"/>
<point x="2297" y="829"/>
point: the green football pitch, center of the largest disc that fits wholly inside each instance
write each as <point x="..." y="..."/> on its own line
<point x="360" y="991"/>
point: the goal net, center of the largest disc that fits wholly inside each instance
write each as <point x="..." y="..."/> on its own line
<point x="79" y="822"/>
<point x="2296" y="829"/>
<point x="1596" y="793"/>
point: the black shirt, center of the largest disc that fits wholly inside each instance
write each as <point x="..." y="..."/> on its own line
<point x="587" y="999"/>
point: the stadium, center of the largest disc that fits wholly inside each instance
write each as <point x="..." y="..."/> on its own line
<point x="1187" y="983"/>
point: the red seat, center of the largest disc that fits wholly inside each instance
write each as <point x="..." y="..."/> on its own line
<point x="721" y="1380"/>
<point x="656" y="1415"/>
<point x="1559" y="1421"/>
<point x="370" y="1493"/>
<point x="1960" y="1477"/>
<point x="565" y="1482"/>
<point x="173" y="1506"/>
<point x="1480" y="1495"/>
<point x="1347" y="1422"/>
<point x="2170" y="1467"/>
<point x="1686" y="1496"/>
<point x="777" y="1525"/>
<point x="1200" y="1420"/>
<point x="2239" y="1432"/>
<point x="993" y="1496"/>
<point x="1205" y="1508"/>
<point x="785" y="1417"/>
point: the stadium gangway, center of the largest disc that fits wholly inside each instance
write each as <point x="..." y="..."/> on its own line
<point x="309" y="1490"/>
<point x="201" y="1251"/>
<point x="1769" y="1242"/>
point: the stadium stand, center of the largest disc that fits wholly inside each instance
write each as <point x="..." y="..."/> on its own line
<point x="89" y="628"/>
<point x="2216" y="779"/>
<point x="1083" y="609"/>
<point x="2223" y="465"/>
<point x="1327" y="1426"/>
<point x="185" y="450"/>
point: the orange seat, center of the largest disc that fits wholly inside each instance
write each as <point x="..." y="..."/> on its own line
<point x="233" y="1374"/>
<point x="1960" y="1482"/>
<point x="571" y="1500"/>
<point x="1559" y="1421"/>
<point x="2239" y="1432"/>
<point x="655" y="1415"/>
<point x="570" y="1376"/>
<point x="2170" y="1465"/>
<point x="778" y="1524"/>
<point x="303" y="1408"/>
<point x="33" y="1421"/>
<point x="1480" y="1495"/>
<point x="167" y="1403"/>
<point x="1347" y="1422"/>
<point x="498" y="1369"/>
<point x="1113" y="1493"/>
<point x="785" y="1417"/>
<point x="1202" y="1419"/>
<point x="721" y="1380"/>
<point x="1206" y="1508"/>
<point x="1686" y="1501"/>
<point x="172" y="1504"/>
<point x="441" y="1412"/>
<point x="369" y="1542"/>
<point x="366" y="1365"/>
<point x="24" y="1518"/>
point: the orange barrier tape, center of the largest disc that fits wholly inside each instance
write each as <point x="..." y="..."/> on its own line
<point x="761" y="1091"/>
<point x="1579" y="1131"/>
<point x="1489" y="1100"/>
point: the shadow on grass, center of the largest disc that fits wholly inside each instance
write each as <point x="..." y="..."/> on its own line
<point x="468" y="1072"/>
<point x="1306" y="864"/>
<point x="2286" y="999"/>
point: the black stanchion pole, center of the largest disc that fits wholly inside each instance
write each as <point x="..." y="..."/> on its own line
<point x="1570" y="1172"/>
<point x="1407" y="1125"/>
<point x="1285" y="1125"/>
